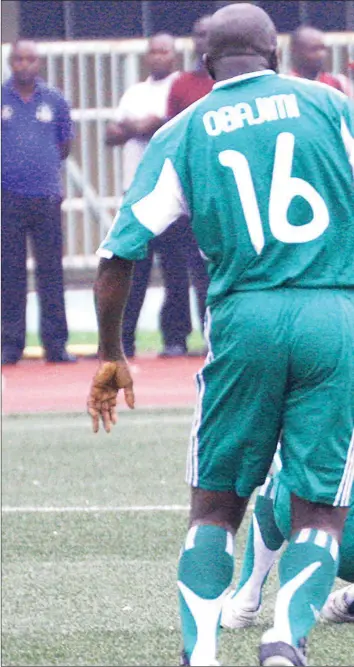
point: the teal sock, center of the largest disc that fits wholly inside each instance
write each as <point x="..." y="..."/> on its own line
<point x="204" y="574"/>
<point x="307" y="570"/>
<point x="263" y="543"/>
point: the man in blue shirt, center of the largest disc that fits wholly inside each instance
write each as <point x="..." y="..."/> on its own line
<point x="36" y="134"/>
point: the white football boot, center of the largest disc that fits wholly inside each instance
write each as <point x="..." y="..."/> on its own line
<point x="236" y="613"/>
<point x="339" y="607"/>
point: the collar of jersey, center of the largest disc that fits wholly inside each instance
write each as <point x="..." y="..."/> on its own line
<point x="242" y="77"/>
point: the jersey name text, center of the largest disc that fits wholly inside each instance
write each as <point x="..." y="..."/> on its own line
<point x="262" y="110"/>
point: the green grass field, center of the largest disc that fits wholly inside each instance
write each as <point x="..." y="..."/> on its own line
<point x="90" y="543"/>
<point x="146" y="341"/>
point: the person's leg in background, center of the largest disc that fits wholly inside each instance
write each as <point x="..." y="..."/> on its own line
<point x="140" y="281"/>
<point x="175" y="316"/>
<point x="197" y="269"/>
<point x="15" y="216"/>
<point x="47" y="240"/>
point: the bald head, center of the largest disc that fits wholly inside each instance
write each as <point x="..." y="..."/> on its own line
<point x="308" y="51"/>
<point x="240" y="30"/>
<point x="24" y="62"/>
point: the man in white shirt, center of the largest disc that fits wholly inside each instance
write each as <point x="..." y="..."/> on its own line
<point x="141" y="111"/>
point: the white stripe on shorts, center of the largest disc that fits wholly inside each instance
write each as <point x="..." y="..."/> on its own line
<point x="342" y="498"/>
<point x="192" y="456"/>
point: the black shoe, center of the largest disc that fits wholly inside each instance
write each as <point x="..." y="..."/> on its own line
<point x="62" y="357"/>
<point x="202" y="352"/>
<point x="183" y="661"/>
<point x="281" y="653"/>
<point x="10" y="356"/>
<point x="171" y="351"/>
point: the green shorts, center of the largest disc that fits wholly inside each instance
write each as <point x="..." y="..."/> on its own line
<point x="282" y="515"/>
<point x="280" y="366"/>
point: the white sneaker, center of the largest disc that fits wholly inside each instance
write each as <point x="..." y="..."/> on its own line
<point x="336" y="609"/>
<point x="201" y="663"/>
<point x="235" y="614"/>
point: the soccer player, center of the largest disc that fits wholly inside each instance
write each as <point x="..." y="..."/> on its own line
<point x="263" y="165"/>
<point x="269" y="528"/>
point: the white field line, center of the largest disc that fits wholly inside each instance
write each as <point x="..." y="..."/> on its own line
<point x="98" y="508"/>
<point x="10" y="424"/>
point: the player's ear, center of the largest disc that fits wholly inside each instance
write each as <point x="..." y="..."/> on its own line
<point x="208" y="65"/>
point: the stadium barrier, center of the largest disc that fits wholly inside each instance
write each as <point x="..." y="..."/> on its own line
<point x="93" y="76"/>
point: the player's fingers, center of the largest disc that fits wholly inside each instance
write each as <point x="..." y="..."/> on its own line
<point x="129" y="396"/>
<point x="94" y="418"/>
<point x="113" y="415"/>
<point x="112" y="402"/>
<point x="106" y="416"/>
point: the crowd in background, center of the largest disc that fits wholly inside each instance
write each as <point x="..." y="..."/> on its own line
<point x="37" y="133"/>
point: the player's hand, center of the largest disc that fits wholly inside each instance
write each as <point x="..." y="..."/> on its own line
<point x="107" y="381"/>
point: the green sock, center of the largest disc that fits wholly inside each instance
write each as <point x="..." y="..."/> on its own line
<point x="263" y="543"/>
<point x="307" y="570"/>
<point x="204" y="574"/>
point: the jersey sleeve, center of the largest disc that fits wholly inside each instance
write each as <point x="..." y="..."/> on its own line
<point x="156" y="198"/>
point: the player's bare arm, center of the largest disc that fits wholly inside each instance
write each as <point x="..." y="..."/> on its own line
<point x="117" y="134"/>
<point x="111" y="291"/>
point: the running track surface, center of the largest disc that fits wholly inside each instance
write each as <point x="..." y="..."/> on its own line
<point x="35" y="386"/>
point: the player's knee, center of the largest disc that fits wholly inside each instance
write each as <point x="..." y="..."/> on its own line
<point x="306" y="514"/>
<point x="219" y="508"/>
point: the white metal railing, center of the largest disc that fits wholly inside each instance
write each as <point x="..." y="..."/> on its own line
<point x="93" y="75"/>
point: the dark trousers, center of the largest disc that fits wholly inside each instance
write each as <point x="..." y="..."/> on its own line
<point x="40" y="220"/>
<point x="179" y="257"/>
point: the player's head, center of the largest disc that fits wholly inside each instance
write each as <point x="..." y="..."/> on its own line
<point x="242" y="38"/>
<point x="200" y="35"/>
<point x="24" y="61"/>
<point x="308" y="51"/>
<point x="161" y="55"/>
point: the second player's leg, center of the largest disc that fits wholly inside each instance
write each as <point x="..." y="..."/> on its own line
<point x="264" y="541"/>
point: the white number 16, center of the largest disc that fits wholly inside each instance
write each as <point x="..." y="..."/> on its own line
<point x="284" y="188"/>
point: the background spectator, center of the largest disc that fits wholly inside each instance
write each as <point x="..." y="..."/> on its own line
<point x="142" y="110"/>
<point x="187" y="88"/>
<point x="308" y="56"/>
<point x="36" y="134"/>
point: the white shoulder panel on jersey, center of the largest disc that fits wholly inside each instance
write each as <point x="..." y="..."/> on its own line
<point x="161" y="207"/>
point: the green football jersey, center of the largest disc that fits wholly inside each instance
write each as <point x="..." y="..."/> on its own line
<point x="264" y="167"/>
